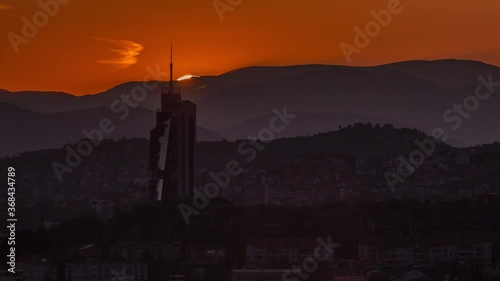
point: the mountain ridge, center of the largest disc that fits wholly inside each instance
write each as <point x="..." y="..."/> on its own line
<point x="415" y="93"/>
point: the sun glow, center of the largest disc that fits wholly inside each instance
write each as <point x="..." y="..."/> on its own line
<point x="186" y="77"/>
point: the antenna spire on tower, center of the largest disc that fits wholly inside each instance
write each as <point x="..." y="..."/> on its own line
<point x="171" y="63"/>
<point x="171" y="85"/>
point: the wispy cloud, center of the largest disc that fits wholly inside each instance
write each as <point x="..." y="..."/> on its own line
<point x="4" y="7"/>
<point x="126" y="53"/>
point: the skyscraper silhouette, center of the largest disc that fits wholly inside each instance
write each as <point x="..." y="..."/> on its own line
<point x="172" y="145"/>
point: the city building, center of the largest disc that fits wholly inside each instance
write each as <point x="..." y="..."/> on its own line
<point x="172" y="145"/>
<point x="106" y="271"/>
<point x="263" y="274"/>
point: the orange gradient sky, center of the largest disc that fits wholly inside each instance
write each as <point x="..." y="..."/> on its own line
<point x="78" y="51"/>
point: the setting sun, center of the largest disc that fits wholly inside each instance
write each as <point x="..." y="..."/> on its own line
<point x="186" y="77"/>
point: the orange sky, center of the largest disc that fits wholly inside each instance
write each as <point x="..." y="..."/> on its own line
<point x="73" y="51"/>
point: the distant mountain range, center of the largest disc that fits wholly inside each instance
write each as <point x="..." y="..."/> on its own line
<point x="24" y="130"/>
<point x="239" y="103"/>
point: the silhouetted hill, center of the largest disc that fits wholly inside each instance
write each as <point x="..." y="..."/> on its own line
<point x="360" y="140"/>
<point x="53" y="102"/>
<point x="118" y="169"/>
<point x="446" y="74"/>
<point x="304" y="124"/>
<point x="24" y="130"/>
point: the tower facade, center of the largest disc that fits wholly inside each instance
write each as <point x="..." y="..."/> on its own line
<point x="172" y="145"/>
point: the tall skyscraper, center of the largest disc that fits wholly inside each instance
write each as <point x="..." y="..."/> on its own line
<point x="172" y="145"/>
